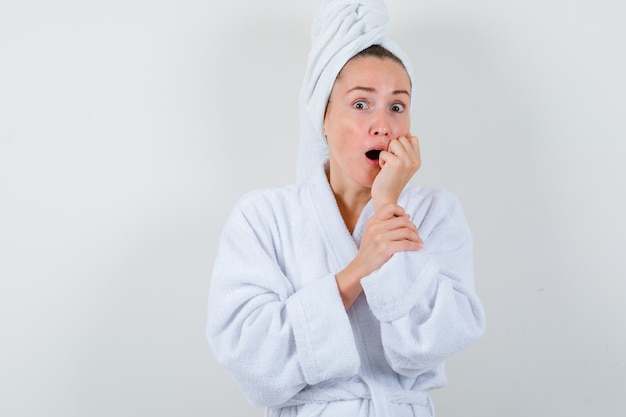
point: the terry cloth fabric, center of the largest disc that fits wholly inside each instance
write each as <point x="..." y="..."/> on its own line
<point x="276" y="320"/>
<point x="340" y="30"/>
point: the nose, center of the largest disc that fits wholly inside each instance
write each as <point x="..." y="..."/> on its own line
<point x="382" y="131"/>
<point x="380" y="125"/>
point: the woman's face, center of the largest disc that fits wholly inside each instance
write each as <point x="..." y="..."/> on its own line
<point x="368" y="107"/>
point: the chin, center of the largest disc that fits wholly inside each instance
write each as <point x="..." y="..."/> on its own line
<point x="366" y="182"/>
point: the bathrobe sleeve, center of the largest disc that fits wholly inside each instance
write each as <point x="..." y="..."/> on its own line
<point x="274" y="339"/>
<point x="425" y="300"/>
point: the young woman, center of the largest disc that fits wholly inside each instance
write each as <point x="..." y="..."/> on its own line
<point x="343" y="295"/>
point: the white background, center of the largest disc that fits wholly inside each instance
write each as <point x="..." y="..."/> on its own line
<point x="129" y="128"/>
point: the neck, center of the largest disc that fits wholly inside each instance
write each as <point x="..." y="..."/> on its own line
<point x="350" y="202"/>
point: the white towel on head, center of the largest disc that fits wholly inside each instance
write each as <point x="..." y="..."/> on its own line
<point x="340" y="30"/>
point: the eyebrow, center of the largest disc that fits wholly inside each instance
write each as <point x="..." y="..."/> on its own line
<point x="371" y="90"/>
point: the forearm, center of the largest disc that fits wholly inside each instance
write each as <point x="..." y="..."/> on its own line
<point x="349" y="284"/>
<point x="273" y="348"/>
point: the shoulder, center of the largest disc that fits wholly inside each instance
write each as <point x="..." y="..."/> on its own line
<point x="266" y="216"/>
<point x="271" y="202"/>
<point x="271" y="196"/>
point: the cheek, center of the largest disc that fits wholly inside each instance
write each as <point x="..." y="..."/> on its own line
<point x="339" y="136"/>
<point x="351" y="140"/>
<point x="403" y="126"/>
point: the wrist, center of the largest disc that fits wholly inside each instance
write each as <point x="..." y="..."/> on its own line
<point x="379" y="203"/>
<point x="349" y="284"/>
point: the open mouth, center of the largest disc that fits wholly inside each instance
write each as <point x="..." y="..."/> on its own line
<point x="373" y="154"/>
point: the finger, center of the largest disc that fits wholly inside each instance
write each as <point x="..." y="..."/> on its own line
<point x="402" y="234"/>
<point x="402" y="148"/>
<point x="415" y="145"/>
<point x="394" y="146"/>
<point x="386" y="156"/>
<point x="399" y="222"/>
<point x="410" y="150"/>
<point x="394" y="229"/>
<point x="405" y="245"/>
<point x="389" y="211"/>
<point x="410" y="144"/>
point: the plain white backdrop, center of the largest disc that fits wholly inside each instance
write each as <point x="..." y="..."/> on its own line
<point x="129" y="128"/>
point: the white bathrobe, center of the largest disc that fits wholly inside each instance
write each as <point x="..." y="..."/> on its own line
<point x="276" y="320"/>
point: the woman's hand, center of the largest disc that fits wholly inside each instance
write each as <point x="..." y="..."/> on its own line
<point x="388" y="231"/>
<point x="398" y="164"/>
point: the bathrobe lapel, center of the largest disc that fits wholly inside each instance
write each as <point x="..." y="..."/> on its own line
<point x="343" y="247"/>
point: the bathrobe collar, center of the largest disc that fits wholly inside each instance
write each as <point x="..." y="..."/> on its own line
<point x="345" y="245"/>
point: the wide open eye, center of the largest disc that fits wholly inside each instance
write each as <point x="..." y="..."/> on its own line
<point x="360" y="105"/>
<point x="398" y="108"/>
